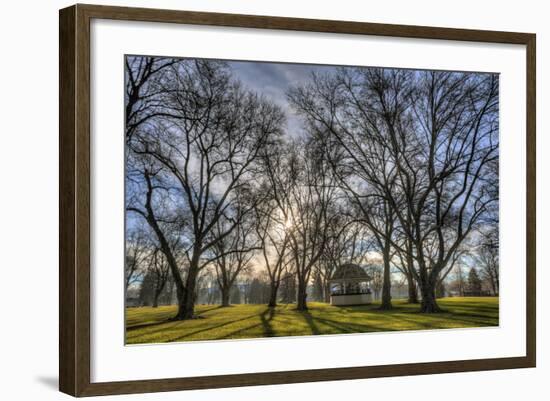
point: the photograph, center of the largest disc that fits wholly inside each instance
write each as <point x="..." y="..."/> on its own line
<point x="269" y="199"/>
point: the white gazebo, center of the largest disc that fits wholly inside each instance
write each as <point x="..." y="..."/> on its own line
<point x="350" y="285"/>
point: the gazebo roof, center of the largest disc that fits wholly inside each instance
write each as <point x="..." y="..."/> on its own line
<point x="350" y="272"/>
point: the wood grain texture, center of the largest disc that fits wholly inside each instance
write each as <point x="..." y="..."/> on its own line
<point x="67" y="131"/>
<point x="74" y="199"/>
<point x="300" y="24"/>
<point x="531" y="201"/>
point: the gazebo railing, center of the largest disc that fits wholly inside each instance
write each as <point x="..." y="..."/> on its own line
<point x="337" y="292"/>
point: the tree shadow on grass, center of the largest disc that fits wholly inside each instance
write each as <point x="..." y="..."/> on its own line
<point x="469" y="323"/>
<point x="266" y="317"/>
<point x="180" y="323"/>
<point x="375" y="309"/>
<point x="211" y="328"/>
<point x="469" y="309"/>
<point x="165" y="326"/>
<point x="236" y="332"/>
<point x="347" y="327"/>
<point x="473" y="315"/>
<point x="130" y="329"/>
<point x="435" y="321"/>
<point x="310" y="322"/>
<point x="265" y="321"/>
<point x="167" y="320"/>
<point x="405" y="318"/>
<point x="397" y="320"/>
<point x="467" y="313"/>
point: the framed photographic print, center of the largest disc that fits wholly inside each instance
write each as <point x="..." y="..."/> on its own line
<point x="313" y="200"/>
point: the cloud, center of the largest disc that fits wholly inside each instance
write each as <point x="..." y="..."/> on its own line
<point x="273" y="80"/>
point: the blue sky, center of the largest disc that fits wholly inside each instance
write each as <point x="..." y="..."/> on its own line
<point x="274" y="79"/>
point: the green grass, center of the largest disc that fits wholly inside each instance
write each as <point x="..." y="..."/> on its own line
<point x="150" y="325"/>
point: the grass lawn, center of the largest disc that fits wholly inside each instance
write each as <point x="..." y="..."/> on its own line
<point x="150" y="325"/>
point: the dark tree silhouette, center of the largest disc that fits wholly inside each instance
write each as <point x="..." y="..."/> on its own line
<point x="188" y="165"/>
<point x="414" y="146"/>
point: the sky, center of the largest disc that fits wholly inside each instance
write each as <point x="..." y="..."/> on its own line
<point x="274" y="79"/>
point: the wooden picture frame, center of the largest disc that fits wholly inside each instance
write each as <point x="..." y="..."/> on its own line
<point x="74" y="203"/>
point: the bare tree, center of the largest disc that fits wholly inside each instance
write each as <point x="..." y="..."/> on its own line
<point x="136" y="253"/>
<point x="406" y="266"/>
<point x="360" y="160"/>
<point x="487" y="258"/>
<point x="288" y="286"/>
<point x="347" y="242"/>
<point x="233" y="254"/>
<point x="273" y="214"/>
<point x="144" y="89"/>
<point x="376" y="272"/>
<point x="257" y="291"/>
<point x="457" y="142"/>
<point x="158" y="269"/>
<point x="200" y="154"/>
<point x="271" y="231"/>
<point x="310" y="196"/>
<point x="421" y="143"/>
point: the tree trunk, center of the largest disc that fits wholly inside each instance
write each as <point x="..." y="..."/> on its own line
<point x="413" y="293"/>
<point x="186" y="300"/>
<point x="301" y="301"/>
<point x="158" y="291"/>
<point x="429" y="303"/>
<point x="494" y="284"/>
<point x="189" y="307"/>
<point x="156" y="300"/>
<point x="226" y="291"/>
<point x="326" y="292"/>
<point x="386" y="286"/>
<point x="413" y="290"/>
<point x="181" y="296"/>
<point x="273" y="295"/>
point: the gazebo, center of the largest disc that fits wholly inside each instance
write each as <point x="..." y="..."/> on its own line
<point x="350" y="285"/>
